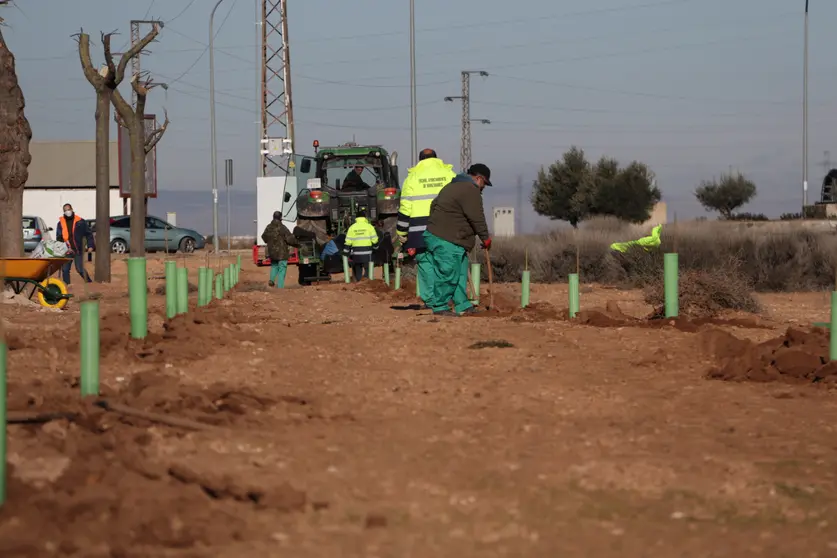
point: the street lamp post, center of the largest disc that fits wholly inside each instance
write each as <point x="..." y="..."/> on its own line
<point x="213" y="147"/>
<point x="805" y="117"/>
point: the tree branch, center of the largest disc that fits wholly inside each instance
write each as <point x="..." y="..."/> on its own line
<point x="106" y="37"/>
<point x="155" y="137"/>
<point x="123" y="107"/>
<point x="135" y="50"/>
<point x="94" y="77"/>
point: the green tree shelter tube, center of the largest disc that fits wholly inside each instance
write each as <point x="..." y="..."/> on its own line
<point x="238" y="264"/>
<point x="475" y="282"/>
<point x="89" y="348"/>
<point x="346" y="276"/>
<point x="219" y="287"/>
<point x="672" y="303"/>
<point x="386" y="273"/>
<point x="418" y="284"/>
<point x="832" y="345"/>
<point x="182" y="290"/>
<point x="171" y="289"/>
<point x="138" y="297"/>
<point x="397" y="278"/>
<point x="524" y="290"/>
<point x="203" y="285"/>
<point x="371" y="272"/>
<point x="575" y="302"/>
<point x="226" y="280"/>
<point x="3" y="378"/>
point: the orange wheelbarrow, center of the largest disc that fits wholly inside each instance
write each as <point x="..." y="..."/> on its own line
<point x="23" y="274"/>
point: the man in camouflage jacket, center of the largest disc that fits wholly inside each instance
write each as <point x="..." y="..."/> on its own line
<point x="278" y="238"/>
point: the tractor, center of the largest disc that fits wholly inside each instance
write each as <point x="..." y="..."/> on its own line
<point x="349" y="180"/>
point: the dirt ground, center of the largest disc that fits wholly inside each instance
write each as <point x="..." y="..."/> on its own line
<point x="341" y="420"/>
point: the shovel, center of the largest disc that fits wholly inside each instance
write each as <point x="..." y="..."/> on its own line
<point x="490" y="281"/>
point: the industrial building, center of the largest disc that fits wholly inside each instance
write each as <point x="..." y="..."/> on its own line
<point x="503" y="224"/>
<point x="65" y="172"/>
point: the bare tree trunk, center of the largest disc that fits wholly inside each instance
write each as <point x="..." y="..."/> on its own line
<point x="15" y="134"/>
<point x="102" y="271"/>
<point x="137" y="138"/>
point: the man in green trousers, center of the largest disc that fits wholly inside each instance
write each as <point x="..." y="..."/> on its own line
<point x="456" y="217"/>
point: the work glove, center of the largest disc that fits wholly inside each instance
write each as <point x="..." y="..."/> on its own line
<point x="486" y="244"/>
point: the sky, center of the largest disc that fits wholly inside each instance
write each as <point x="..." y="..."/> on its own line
<point x="693" y="88"/>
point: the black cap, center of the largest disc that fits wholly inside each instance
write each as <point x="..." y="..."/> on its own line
<point x="481" y="170"/>
<point x="277" y="215"/>
<point x="426" y="154"/>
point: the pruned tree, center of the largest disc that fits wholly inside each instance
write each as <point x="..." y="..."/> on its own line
<point x="15" y="135"/>
<point x="133" y="118"/>
<point x="573" y="190"/>
<point x="104" y="81"/>
<point x="725" y="194"/>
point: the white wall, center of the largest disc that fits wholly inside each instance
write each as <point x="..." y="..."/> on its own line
<point x="46" y="203"/>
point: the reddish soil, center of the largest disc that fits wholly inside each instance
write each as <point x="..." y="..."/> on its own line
<point x="795" y="357"/>
<point x="323" y="422"/>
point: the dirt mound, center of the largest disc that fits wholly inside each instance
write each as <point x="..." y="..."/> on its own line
<point x="184" y="338"/>
<point x="796" y="357"/>
<point x="612" y="316"/>
<point x="95" y="484"/>
<point x="706" y="293"/>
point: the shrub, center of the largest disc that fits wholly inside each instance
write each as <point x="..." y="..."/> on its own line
<point x="769" y="258"/>
<point x="706" y="293"/>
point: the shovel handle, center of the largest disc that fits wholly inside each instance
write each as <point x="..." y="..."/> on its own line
<point x="490" y="279"/>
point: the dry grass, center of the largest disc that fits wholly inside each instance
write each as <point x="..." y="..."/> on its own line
<point x="773" y="258"/>
<point x="704" y="294"/>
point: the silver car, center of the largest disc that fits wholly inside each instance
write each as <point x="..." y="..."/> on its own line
<point x="35" y="230"/>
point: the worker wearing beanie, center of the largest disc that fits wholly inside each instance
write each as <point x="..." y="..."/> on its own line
<point x="456" y="217"/>
<point x="423" y="183"/>
<point x="277" y="237"/>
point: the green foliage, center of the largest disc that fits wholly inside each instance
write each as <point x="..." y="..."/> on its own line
<point x="726" y="194"/>
<point x="573" y="190"/>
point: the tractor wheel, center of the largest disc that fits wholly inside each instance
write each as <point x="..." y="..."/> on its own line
<point x="315" y="226"/>
<point x="52" y="295"/>
<point x="388" y="225"/>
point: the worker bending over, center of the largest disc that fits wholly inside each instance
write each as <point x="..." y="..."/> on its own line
<point x="277" y="237"/>
<point x="456" y="217"/>
<point x="361" y="241"/>
<point x="423" y="183"/>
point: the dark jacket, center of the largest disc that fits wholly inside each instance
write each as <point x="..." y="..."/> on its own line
<point x="81" y="232"/>
<point x="457" y="214"/>
<point x="277" y="237"/>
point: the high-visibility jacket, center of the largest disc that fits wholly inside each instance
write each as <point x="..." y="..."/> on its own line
<point x="423" y="183"/>
<point x="646" y="242"/>
<point x="361" y="240"/>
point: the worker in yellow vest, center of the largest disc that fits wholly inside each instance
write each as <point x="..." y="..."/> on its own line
<point x="423" y="183"/>
<point x="361" y="241"/>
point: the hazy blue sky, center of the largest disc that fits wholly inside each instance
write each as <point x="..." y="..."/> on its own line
<point x="690" y="87"/>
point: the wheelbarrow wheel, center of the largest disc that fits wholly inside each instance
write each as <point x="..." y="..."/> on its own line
<point x="51" y="295"/>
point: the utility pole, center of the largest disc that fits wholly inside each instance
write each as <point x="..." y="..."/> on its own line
<point x="277" y="121"/>
<point x="465" y="149"/>
<point x="413" y="103"/>
<point x="805" y="118"/>
<point x="519" y="210"/>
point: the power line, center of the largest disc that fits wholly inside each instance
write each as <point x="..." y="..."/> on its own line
<point x="201" y="55"/>
<point x="183" y="11"/>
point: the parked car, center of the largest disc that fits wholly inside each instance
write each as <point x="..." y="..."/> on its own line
<point x="35" y="230"/>
<point x="157" y="232"/>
